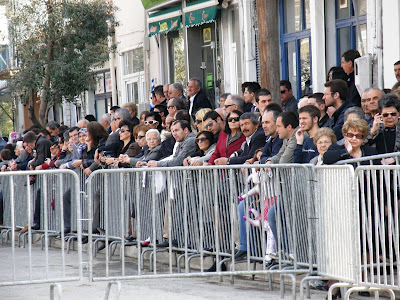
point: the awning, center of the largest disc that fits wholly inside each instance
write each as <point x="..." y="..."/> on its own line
<point x="165" y="20"/>
<point x="152" y="5"/>
<point x="200" y="12"/>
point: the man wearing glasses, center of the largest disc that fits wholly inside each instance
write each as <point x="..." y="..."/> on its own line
<point x="213" y="123"/>
<point x="233" y="102"/>
<point x="175" y="104"/>
<point x="289" y="102"/>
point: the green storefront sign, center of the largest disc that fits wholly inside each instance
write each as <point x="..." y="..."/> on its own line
<point x="200" y="16"/>
<point x="165" y="26"/>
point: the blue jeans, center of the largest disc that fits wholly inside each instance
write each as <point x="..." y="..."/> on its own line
<point x="272" y="222"/>
<point x="242" y="227"/>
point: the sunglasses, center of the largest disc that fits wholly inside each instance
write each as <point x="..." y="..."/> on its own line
<point x="139" y="137"/>
<point x="199" y="121"/>
<point x="151" y="122"/>
<point x="200" y="139"/>
<point x="170" y="106"/>
<point x="358" y="136"/>
<point x="123" y="130"/>
<point x="226" y="106"/>
<point x="393" y="114"/>
<point x="283" y="91"/>
<point x="235" y="119"/>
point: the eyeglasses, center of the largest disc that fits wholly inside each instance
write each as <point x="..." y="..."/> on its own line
<point x="170" y="106"/>
<point x="118" y="118"/>
<point x="123" y="130"/>
<point x="393" y="114"/>
<point x="235" y="119"/>
<point x="200" y="139"/>
<point x="226" y="106"/>
<point x="283" y="91"/>
<point x="209" y="124"/>
<point x="358" y="136"/>
<point x="139" y="137"/>
<point x="199" y="121"/>
<point x="324" y="142"/>
<point x="151" y="122"/>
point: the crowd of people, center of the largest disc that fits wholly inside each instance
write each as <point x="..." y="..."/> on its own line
<point x="186" y="130"/>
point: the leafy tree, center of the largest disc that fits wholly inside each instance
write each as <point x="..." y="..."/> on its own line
<point x="57" y="44"/>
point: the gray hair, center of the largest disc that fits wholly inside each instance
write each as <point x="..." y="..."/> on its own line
<point x="52" y="125"/>
<point x="376" y="89"/>
<point x="237" y="100"/>
<point x="153" y="131"/>
<point x="198" y="82"/>
<point x="123" y="113"/>
<point x="250" y="116"/>
<point x="177" y="87"/>
<point x="354" y="110"/>
<point x="106" y="117"/>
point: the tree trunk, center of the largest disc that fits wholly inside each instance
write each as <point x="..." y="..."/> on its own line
<point x="31" y="109"/>
<point x="268" y="45"/>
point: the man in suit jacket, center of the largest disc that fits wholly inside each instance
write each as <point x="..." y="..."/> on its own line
<point x="197" y="99"/>
<point x="255" y="139"/>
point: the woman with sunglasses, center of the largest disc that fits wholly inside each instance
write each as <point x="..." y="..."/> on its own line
<point x="206" y="147"/>
<point x="136" y="148"/>
<point x="385" y="131"/>
<point x="199" y="118"/>
<point x="154" y="121"/>
<point x="230" y="139"/>
<point x="355" y="131"/>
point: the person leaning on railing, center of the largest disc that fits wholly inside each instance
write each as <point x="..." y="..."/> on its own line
<point x="385" y="131"/>
<point x="206" y="147"/>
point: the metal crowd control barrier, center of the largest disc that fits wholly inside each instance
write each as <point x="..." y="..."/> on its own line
<point x="196" y="208"/>
<point x="38" y="197"/>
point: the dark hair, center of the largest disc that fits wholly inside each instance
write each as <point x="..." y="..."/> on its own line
<point x="72" y="129"/>
<point x="262" y="92"/>
<point x="127" y="123"/>
<point x="6" y="154"/>
<point x="34" y="126"/>
<point x="213" y="115"/>
<point x="227" y="129"/>
<point x="311" y="110"/>
<point x="275" y="113"/>
<point x="318" y="98"/>
<point x="209" y="136"/>
<point x="245" y="85"/>
<point x="286" y="84"/>
<point x="90" y="118"/>
<point x="157" y="117"/>
<point x="161" y="108"/>
<point x="44" y="132"/>
<point x="289" y="118"/>
<point x="274" y="107"/>
<point x="250" y="116"/>
<point x="338" y="86"/>
<point x="389" y="100"/>
<point x="184" y="124"/>
<point x="253" y="87"/>
<point x="337" y="73"/>
<point x="30" y="137"/>
<point x="52" y="125"/>
<point x="225" y="95"/>
<point x="397" y="63"/>
<point x="10" y="147"/>
<point x="96" y="131"/>
<point x="351" y="55"/>
<point x="159" y="90"/>
<point x="114" y="108"/>
<point x="183" y="115"/>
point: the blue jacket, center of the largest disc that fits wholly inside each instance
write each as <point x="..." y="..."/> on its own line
<point x="337" y="119"/>
<point x="304" y="153"/>
<point x="271" y="148"/>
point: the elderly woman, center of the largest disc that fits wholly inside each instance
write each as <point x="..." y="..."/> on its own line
<point x="323" y="139"/>
<point x="230" y="139"/>
<point x="206" y="146"/>
<point x="355" y="131"/>
<point x="199" y="118"/>
<point x="385" y="131"/>
<point x="152" y="152"/>
<point x="154" y="121"/>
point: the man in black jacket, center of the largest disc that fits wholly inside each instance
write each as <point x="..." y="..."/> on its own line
<point x="348" y="66"/>
<point x="255" y="139"/>
<point x="196" y="98"/>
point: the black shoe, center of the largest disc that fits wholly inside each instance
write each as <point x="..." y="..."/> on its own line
<point x="364" y="294"/>
<point x="35" y="226"/>
<point x="101" y="247"/>
<point x="85" y="240"/>
<point x="165" y="244"/>
<point x="241" y="255"/>
<point x="67" y="230"/>
<point x="214" y="268"/>
<point x="101" y="231"/>
<point x="130" y="238"/>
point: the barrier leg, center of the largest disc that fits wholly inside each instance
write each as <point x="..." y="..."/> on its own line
<point x="59" y="290"/>
<point x="108" y="290"/>
<point x="358" y="289"/>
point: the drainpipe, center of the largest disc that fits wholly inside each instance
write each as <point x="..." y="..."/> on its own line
<point x="112" y="71"/>
<point x="379" y="42"/>
<point x="185" y="41"/>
